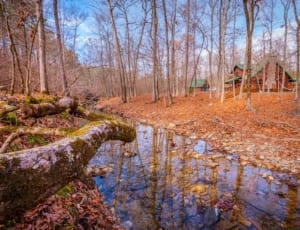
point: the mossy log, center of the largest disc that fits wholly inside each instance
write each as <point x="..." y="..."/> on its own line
<point x="47" y="108"/>
<point x="29" y="176"/>
<point x="4" y="109"/>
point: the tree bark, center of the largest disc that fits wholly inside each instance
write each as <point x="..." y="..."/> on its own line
<point x="173" y="60"/>
<point x="212" y="5"/>
<point x="169" y="94"/>
<point x="186" y="54"/>
<point x="29" y="176"/>
<point x="249" y="10"/>
<point x="118" y="54"/>
<point x="286" y="6"/>
<point x="60" y="48"/>
<point x="13" y="50"/>
<point x="297" y="55"/>
<point x="4" y="109"/>
<point x="154" y="25"/>
<point x="42" y="48"/>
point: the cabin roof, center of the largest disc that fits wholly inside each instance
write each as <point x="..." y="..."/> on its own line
<point x="232" y="79"/>
<point x="199" y="83"/>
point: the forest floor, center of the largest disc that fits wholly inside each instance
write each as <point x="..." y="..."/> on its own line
<point x="268" y="137"/>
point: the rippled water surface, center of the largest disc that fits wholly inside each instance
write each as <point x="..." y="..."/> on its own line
<point x="166" y="181"/>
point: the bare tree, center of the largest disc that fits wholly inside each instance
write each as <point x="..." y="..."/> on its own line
<point x="16" y="62"/>
<point x="186" y="50"/>
<point x="297" y="18"/>
<point x="169" y="94"/>
<point x="41" y="47"/>
<point x="60" y="48"/>
<point x="223" y="19"/>
<point x="250" y="9"/>
<point x="154" y="25"/>
<point x="286" y="6"/>
<point x="233" y="61"/>
<point x="212" y="4"/>
<point x="118" y="54"/>
<point x="173" y="50"/>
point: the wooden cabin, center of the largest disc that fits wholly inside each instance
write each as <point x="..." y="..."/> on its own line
<point x="201" y="84"/>
<point x="268" y="75"/>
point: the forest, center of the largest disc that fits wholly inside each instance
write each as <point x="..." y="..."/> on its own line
<point x="210" y="94"/>
<point x="136" y="47"/>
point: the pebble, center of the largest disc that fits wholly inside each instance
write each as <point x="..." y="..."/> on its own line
<point x="128" y="225"/>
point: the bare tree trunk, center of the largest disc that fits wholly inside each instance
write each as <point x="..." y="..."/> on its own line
<point x="233" y="44"/>
<point x="223" y="12"/>
<point x="13" y="49"/>
<point x="137" y="51"/>
<point x="173" y="61"/>
<point x="298" y="54"/>
<point x="286" y="5"/>
<point x="129" y="70"/>
<point x="29" y="60"/>
<point x="169" y="94"/>
<point x="42" y="48"/>
<point x="212" y="5"/>
<point x="29" y="176"/>
<point x="249" y="10"/>
<point x="154" y="54"/>
<point x="186" y="57"/>
<point x="118" y="54"/>
<point x="60" y="48"/>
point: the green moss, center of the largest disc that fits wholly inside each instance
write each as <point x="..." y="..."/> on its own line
<point x="11" y="118"/>
<point x="98" y="116"/>
<point x="31" y="100"/>
<point x="38" y="100"/>
<point x="84" y="129"/>
<point x="64" y="115"/>
<point x="65" y="191"/>
<point x="14" y="147"/>
<point x="36" y="140"/>
<point x="80" y="110"/>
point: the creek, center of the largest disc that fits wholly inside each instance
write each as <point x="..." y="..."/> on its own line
<point x="167" y="181"/>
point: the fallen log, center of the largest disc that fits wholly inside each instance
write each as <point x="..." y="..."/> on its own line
<point x="29" y="176"/>
<point x="47" y="108"/>
<point x="4" y="109"/>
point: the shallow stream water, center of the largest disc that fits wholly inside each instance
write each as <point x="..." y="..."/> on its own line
<point x="166" y="181"/>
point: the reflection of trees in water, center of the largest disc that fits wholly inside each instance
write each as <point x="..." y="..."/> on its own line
<point x="153" y="176"/>
<point x="239" y="177"/>
<point x="291" y="207"/>
<point x="168" y="176"/>
<point x="118" y="177"/>
<point x="182" y="186"/>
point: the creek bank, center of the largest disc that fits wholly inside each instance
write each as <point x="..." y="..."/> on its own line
<point x="268" y="138"/>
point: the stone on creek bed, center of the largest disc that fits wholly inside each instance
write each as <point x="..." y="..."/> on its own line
<point x="211" y="216"/>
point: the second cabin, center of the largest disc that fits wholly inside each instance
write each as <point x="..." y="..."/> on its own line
<point x="268" y="76"/>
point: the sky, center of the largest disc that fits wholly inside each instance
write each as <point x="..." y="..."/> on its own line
<point x="87" y="29"/>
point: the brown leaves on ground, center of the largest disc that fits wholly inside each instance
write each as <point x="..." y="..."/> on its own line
<point x="74" y="207"/>
<point x="270" y="133"/>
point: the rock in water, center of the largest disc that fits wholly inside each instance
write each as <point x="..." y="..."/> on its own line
<point x="128" y="225"/>
<point x="211" y="216"/>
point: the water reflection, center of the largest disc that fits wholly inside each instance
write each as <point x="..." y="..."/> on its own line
<point x="168" y="181"/>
